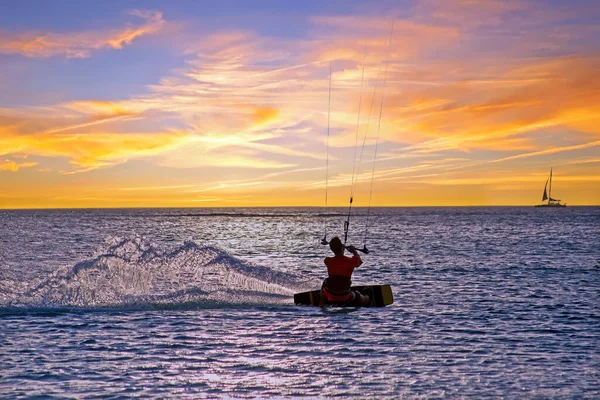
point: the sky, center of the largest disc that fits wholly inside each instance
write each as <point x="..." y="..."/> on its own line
<point x="275" y="103"/>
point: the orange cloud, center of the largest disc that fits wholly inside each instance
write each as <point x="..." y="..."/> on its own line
<point x="8" y="165"/>
<point x="80" y="116"/>
<point x="465" y="104"/>
<point x="465" y="90"/>
<point x="353" y="34"/>
<point x="462" y="115"/>
<point x="79" y="44"/>
<point x="100" y="109"/>
<point x="93" y="150"/>
<point x="264" y="114"/>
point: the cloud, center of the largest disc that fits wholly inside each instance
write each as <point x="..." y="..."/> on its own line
<point x="457" y="114"/>
<point x="79" y="44"/>
<point x="91" y="150"/>
<point x="469" y="13"/>
<point x="195" y="156"/>
<point x="8" y="165"/>
<point x="240" y="86"/>
<point x="264" y="114"/>
<point x="464" y="87"/>
<point x="550" y="151"/>
<point x="97" y="109"/>
<point x="349" y="36"/>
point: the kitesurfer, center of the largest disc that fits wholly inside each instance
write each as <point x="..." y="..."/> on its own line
<point x="336" y="288"/>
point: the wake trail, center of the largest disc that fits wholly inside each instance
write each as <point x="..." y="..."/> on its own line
<point x="134" y="273"/>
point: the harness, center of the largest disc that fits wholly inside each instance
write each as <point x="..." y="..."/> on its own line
<point x="337" y="286"/>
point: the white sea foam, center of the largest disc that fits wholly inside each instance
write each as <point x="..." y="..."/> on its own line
<point x="134" y="272"/>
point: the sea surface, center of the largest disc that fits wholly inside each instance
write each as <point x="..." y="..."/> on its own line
<point x="198" y="303"/>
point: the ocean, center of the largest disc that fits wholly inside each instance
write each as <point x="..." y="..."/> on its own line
<point x="198" y="303"/>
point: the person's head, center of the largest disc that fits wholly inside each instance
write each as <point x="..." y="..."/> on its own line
<point x="336" y="245"/>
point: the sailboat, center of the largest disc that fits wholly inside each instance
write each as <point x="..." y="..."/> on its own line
<point x="548" y="195"/>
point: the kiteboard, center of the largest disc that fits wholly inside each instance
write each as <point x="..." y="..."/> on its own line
<point x="380" y="295"/>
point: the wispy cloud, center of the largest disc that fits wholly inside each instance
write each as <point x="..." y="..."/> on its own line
<point x="91" y="150"/>
<point x="79" y="44"/>
<point x="9" y="165"/>
<point x="469" y="84"/>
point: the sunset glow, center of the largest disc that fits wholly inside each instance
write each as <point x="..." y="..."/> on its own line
<point x="182" y="104"/>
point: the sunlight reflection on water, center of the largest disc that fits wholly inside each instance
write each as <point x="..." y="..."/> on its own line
<point x="488" y="303"/>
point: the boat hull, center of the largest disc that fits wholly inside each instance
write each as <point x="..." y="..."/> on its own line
<point x="551" y="205"/>
<point x="381" y="296"/>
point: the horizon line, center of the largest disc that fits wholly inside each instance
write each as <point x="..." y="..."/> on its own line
<point x="304" y="206"/>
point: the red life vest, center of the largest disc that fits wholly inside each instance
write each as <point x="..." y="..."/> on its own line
<point x="342" y="265"/>
<point x="336" y="287"/>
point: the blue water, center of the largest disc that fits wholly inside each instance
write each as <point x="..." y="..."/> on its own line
<point x="489" y="302"/>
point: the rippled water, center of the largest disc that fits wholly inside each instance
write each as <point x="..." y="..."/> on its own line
<point x="489" y="302"/>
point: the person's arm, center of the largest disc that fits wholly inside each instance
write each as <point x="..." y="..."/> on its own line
<point x="357" y="260"/>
